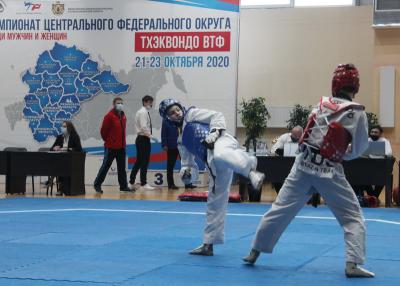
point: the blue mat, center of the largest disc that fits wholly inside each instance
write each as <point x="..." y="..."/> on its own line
<point x="109" y="242"/>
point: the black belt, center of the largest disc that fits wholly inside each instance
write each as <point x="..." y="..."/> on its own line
<point x="304" y="147"/>
<point x="316" y="157"/>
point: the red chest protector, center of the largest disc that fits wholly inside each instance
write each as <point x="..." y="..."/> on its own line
<point x="337" y="139"/>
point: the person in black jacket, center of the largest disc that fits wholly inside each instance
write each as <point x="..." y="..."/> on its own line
<point x="68" y="140"/>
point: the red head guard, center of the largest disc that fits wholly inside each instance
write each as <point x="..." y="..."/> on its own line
<point x="345" y="77"/>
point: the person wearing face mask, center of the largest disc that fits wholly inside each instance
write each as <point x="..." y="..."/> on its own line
<point x="375" y="134"/>
<point x="143" y="146"/>
<point x="68" y="140"/>
<point x="202" y="135"/>
<point x="291" y="137"/>
<point x="113" y="132"/>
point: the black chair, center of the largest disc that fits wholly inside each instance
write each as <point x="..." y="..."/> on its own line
<point x="50" y="179"/>
<point x="21" y="149"/>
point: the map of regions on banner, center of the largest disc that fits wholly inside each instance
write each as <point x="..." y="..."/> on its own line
<point x="67" y="60"/>
<point x="63" y="79"/>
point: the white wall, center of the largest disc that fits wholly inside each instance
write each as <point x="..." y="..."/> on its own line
<point x="288" y="55"/>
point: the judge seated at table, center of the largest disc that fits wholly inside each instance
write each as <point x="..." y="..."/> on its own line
<point x="291" y="137"/>
<point x="375" y="135"/>
<point x="68" y="140"/>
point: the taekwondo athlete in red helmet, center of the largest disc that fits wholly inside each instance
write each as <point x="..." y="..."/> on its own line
<point x="203" y="136"/>
<point x="337" y="130"/>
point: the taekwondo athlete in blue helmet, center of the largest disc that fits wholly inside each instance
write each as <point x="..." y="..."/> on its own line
<point x="203" y="136"/>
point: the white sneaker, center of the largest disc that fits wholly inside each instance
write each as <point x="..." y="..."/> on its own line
<point x="256" y="179"/>
<point x="133" y="187"/>
<point x="354" y="271"/>
<point x="147" y="187"/>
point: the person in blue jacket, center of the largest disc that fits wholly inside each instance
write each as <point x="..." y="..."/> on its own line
<point x="169" y="143"/>
<point x="169" y="138"/>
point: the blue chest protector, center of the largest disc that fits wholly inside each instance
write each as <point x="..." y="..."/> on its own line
<point x="193" y="135"/>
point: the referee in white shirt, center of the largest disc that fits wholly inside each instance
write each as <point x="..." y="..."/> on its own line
<point x="143" y="145"/>
<point x="291" y="137"/>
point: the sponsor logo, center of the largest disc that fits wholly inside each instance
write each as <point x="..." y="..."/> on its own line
<point x="30" y="6"/>
<point x="57" y="8"/>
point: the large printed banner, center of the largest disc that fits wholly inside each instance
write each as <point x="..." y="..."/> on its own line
<point x="67" y="60"/>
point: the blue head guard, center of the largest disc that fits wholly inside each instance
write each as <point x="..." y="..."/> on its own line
<point x="167" y="104"/>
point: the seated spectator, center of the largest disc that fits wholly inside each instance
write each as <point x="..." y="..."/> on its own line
<point x="291" y="137"/>
<point x="68" y="140"/>
<point x="375" y="134"/>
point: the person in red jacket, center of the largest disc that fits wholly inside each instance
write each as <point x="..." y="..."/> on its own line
<point x="113" y="132"/>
